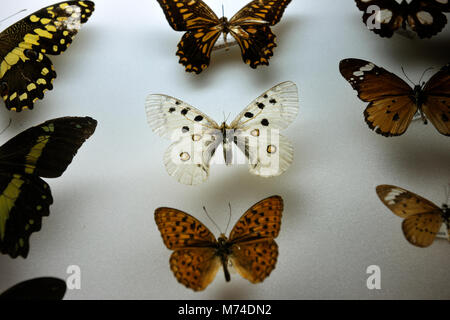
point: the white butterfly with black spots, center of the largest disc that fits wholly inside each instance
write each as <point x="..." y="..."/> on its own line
<point x="255" y="131"/>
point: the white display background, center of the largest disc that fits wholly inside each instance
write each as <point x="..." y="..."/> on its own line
<point x="333" y="227"/>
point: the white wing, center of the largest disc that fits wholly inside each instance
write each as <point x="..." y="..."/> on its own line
<point x="257" y="130"/>
<point x="196" y="137"/>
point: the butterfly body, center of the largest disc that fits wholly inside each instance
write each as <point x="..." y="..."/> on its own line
<point x="26" y="72"/>
<point x="422" y="218"/>
<point x="197" y="255"/>
<point x="426" y="18"/>
<point x="392" y="101"/>
<point x="254" y="132"/>
<point x="250" y="27"/>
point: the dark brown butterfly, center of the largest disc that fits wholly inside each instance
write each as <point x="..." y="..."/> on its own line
<point x="197" y="255"/>
<point x="46" y="151"/>
<point x="393" y="103"/>
<point x="39" y="289"/>
<point x="250" y="27"/>
<point x="26" y="72"/>
<point x="422" y="218"/>
<point x="384" y="17"/>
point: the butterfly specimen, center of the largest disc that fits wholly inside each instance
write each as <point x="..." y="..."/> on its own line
<point x="47" y="289"/>
<point x="393" y="103"/>
<point x="384" y="17"/>
<point x="46" y="151"/>
<point x="250" y="27"/>
<point x="198" y="255"/>
<point x="255" y="131"/>
<point x="25" y="71"/>
<point x="422" y="218"/>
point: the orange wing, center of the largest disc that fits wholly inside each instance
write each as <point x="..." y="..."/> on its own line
<point x="423" y="219"/>
<point x="391" y="107"/>
<point x="261" y="222"/>
<point x="255" y="261"/>
<point x="254" y="252"/>
<point x="180" y="230"/>
<point x="437" y="100"/>
<point x="195" y="268"/>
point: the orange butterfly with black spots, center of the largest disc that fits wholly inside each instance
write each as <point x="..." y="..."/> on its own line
<point x="422" y="218"/>
<point x="250" y="27"/>
<point x="393" y="103"/>
<point x="198" y="255"/>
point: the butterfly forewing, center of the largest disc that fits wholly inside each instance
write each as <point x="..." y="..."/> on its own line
<point x="180" y="230"/>
<point x="25" y="71"/>
<point x="423" y="219"/>
<point x="391" y="107"/>
<point x="262" y="221"/>
<point x="195" y="268"/>
<point x="45" y="150"/>
<point x="267" y="11"/>
<point x="437" y="102"/>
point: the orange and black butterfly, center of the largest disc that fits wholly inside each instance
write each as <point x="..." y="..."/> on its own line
<point x="198" y="255"/>
<point x="393" y="103"/>
<point x="422" y="218"/>
<point x="26" y="72"/>
<point x="45" y="151"/>
<point x="250" y="27"/>
<point x="384" y="17"/>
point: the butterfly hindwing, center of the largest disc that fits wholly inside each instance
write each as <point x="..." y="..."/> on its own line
<point x="423" y="219"/>
<point x="25" y="72"/>
<point x="195" y="268"/>
<point x="437" y="104"/>
<point x="391" y="107"/>
<point x="24" y="200"/>
<point x="39" y="289"/>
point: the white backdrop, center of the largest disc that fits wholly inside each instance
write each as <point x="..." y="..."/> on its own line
<point x="334" y="226"/>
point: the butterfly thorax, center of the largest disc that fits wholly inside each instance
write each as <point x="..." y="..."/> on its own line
<point x="227" y="139"/>
<point x="419" y="100"/>
<point x="223" y="251"/>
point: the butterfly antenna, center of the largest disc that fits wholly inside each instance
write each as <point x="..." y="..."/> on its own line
<point x="204" y="208"/>
<point x="13" y="15"/>
<point x="423" y="74"/>
<point x="9" y="124"/>
<point x="403" y="70"/>
<point x="229" y="218"/>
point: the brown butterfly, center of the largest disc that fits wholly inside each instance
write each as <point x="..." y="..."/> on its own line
<point x="197" y="255"/>
<point x="423" y="219"/>
<point x="393" y="103"/>
<point x="250" y="27"/>
<point x="384" y="17"/>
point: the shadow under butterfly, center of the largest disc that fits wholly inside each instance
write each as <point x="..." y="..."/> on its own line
<point x="384" y="17"/>
<point x="393" y="103"/>
<point x="422" y="218"/>
<point x="250" y="27"/>
<point x="45" y="151"/>
<point x="26" y="72"/>
<point x="197" y="255"/>
<point x="39" y="289"/>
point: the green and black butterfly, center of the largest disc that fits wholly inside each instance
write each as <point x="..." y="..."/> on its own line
<point x="42" y="151"/>
<point x="25" y="70"/>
